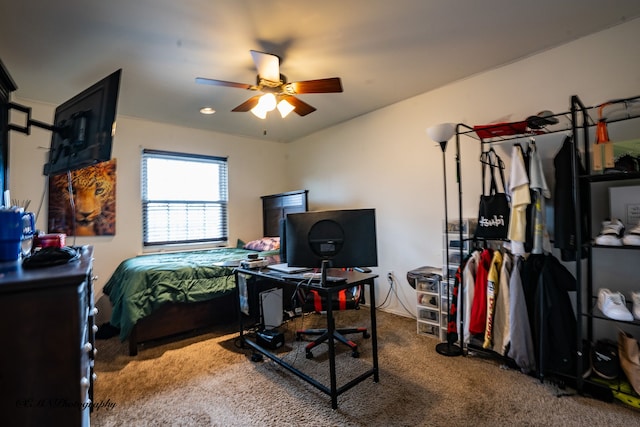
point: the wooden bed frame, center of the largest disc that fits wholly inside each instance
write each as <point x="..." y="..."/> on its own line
<point x="177" y="318"/>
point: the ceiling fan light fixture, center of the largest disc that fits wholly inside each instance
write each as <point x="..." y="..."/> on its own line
<point x="266" y="103"/>
<point x="285" y="108"/>
<point x="274" y="88"/>
<point x="261" y="114"/>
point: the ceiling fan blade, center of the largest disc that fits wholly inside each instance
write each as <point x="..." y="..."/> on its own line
<point x="247" y="105"/>
<point x="302" y="108"/>
<point x="213" y="82"/>
<point x="268" y="65"/>
<point x="330" y="85"/>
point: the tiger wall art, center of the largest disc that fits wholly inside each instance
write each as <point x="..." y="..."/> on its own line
<point x="92" y="210"/>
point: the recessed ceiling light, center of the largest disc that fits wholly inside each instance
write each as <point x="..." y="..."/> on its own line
<point x="207" y="110"/>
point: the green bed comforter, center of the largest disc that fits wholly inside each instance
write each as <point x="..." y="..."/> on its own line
<point x="140" y="285"/>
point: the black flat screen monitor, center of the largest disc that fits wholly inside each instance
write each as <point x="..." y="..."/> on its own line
<point x="344" y="238"/>
<point x="83" y="127"/>
<point x="282" y="230"/>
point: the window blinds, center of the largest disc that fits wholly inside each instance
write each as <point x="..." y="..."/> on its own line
<point x="184" y="198"/>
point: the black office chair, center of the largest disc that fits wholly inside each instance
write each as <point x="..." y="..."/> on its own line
<point x="345" y="299"/>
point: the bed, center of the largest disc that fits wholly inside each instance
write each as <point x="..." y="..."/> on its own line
<point x="159" y="295"/>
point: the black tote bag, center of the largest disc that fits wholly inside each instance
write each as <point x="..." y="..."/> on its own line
<point x="494" y="210"/>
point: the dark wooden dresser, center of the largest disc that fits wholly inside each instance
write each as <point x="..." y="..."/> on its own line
<point x="47" y="343"/>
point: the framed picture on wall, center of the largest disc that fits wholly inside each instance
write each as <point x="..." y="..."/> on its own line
<point x="92" y="210"/>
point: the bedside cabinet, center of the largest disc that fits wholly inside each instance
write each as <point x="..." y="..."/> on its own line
<point x="47" y="333"/>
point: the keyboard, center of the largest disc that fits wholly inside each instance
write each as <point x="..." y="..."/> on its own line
<point x="313" y="278"/>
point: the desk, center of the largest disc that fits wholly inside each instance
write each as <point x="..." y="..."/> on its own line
<point x="353" y="278"/>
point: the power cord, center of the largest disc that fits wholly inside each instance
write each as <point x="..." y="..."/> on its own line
<point x="296" y="349"/>
<point x="386" y="298"/>
<point x="392" y="289"/>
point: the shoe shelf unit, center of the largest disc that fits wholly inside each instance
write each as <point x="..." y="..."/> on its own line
<point x="613" y="266"/>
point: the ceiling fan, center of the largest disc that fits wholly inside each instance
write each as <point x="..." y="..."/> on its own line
<point x="277" y="92"/>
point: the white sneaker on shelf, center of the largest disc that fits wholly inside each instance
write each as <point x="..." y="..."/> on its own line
<point x="635" y="297"/>
<point x="613" y="305"/>
<point x="602" y="295"/>
<point x="611" y="233"/>
<point x="632" y="237"/>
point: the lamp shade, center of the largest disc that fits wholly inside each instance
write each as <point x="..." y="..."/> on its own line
<point x="259" y="113"/>
<point x="285" y="108"/>
<point x="266" y="103"/>
<point x="442" y="132"/>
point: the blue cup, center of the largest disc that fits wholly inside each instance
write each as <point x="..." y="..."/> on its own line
<point x="15" y="226"/>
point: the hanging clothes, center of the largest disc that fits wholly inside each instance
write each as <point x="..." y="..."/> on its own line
<point x="564" y="212"/>
<point x="478" y="319"/>
<point x="540" y="191"/>
<point x="530" y="274"/>
<point x="467" y="293"/>
<point x="557" y="318"/>
<point x="528" y="229"/>
<point x="501" y="322"/>
<point x="521" y="348"/>
<point x="453" y="330"/>
<point x="547" y="283"/>
<point x="520" y="199"/>
<point x="493" y="289"/>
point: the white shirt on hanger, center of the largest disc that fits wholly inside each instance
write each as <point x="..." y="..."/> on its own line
<point x="520" y="199"/>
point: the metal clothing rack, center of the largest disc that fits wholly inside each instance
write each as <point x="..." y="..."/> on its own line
<point x="575" y="123"/>
<point x="504" y="132"/>
<point x="465" y="130"/>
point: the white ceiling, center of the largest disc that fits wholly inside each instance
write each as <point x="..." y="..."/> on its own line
<point x="383" y="50"/>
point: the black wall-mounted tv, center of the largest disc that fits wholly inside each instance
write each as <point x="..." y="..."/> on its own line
<point x="343" y="238"/>
<point x="84" y="127"/>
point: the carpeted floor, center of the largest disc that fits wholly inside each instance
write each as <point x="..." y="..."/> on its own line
<point x="207" y="380"/>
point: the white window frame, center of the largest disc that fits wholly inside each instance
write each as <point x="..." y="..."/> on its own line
<point x="183" y="217"/>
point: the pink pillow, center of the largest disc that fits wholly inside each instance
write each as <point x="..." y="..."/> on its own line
<point x="264" y="244"/>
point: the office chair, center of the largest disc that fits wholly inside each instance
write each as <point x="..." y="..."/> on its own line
<point x="346" y="299"/>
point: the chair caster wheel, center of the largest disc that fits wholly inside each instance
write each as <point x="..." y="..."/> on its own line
<point x="366" y="335"/>
<point x="355" y="354"/>
<point x="309" y="355"/>
<point x="256" y="357"/>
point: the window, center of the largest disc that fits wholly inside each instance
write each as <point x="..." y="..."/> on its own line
<point x="184" y="198"/>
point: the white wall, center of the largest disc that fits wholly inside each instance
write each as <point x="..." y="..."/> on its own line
<point x="249" y="178"/>
<point x="382" y="160"/>
<point x="386" y="161"/>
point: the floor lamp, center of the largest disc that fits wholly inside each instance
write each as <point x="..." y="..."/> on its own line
<point x="441" y="134"/>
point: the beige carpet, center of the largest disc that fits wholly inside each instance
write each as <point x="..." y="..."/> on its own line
<point x="207" y="380"/>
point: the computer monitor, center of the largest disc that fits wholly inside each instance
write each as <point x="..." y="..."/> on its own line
<point x="282" y="231"/>
<point x="83" y="127"/>
<point x="333" y="238"/>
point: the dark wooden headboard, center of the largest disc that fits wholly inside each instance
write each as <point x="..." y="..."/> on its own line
<point x="276" y="207"/>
